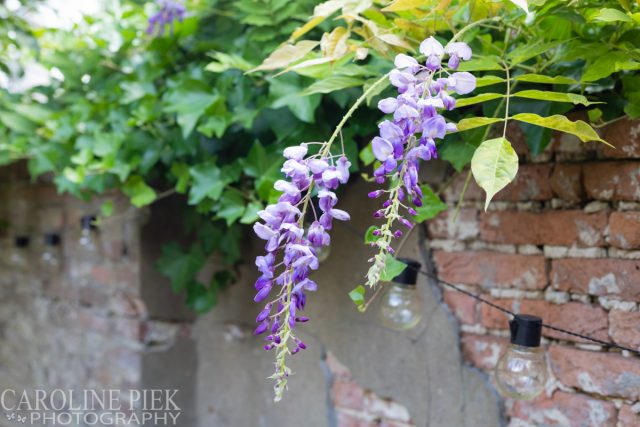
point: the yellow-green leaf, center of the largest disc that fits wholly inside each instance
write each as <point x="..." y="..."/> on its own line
<point x="477" y="99"/>
<point x="540" y="78"/>
<point x="286" y="54"/>
<point x="494" y="165"/>
<point x="320" y="13"/>
<point x="558" y="122"/>
<point x="488" y="81"/>
<point x="476" y="122"/>
<point x="484" y="63"/>
<point x="334" y="44"/>
<point x="554" y="96"/>
<point x="610" y="15"/>
<point x="400" y="5"/>
<point x="332" y="84"/>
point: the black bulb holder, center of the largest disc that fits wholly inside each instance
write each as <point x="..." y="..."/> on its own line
<point x="526" y="330"/>
<point x="21" y="241"/>
<point x="52" y="239"/>
<point x="409" y="275"/>
<point x="88" y="222"/>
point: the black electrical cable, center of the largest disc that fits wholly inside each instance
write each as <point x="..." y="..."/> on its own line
<point x="477" y="297"/>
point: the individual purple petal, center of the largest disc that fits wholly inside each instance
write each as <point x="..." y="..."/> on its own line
<point x="391" y="132"/>
<point x="262" y="293"/>
<point x="296" y="152"/>
<point x="460" y="49"/>
<point x="431" y="46"/>
<point x="382" y="149"/>
<point x="388" y="105"/>
<point x="340" y="215"/>
<point x="403" y="61"/>
<point x="286" y="187"/>
<point x="401" y="79"/>
<point x="342" y="166"/>
<point x="263" y="232"/>
<point x="262" y="327"/>
<point x="317" y="166"/>
<point x="327" y="200"/>
<point x="464" y="82"/>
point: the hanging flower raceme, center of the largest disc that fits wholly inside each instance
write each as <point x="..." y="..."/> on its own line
<point x="169" y="12"/>
<point x="291" y="251"/>
<point x="423" y="91"/>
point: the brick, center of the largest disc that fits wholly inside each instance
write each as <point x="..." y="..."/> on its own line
<point x="566" y="182"/>
<point x="627" y="417"/>
<point x="462" y="306"/>
<point x="337" y="369"/>
<point x="624" y="135"/>
<point x="531" y="183"/>
<point x="385" y="408"/>
<point x="605" y="374"/>
<point x="562" y="228"/>
<point x="465" y="226"/>
<point x="344" y="419"/>
<point x="473" y="192"/>
<point x="347" y="395"/>
<point x="624" y="328"/>
<point x="567" y="410"/>
<point x="601" y="277"/>
<point x="492" y="269"/>
<point x="612" y="180"/>
<point x="483" y="351"/>
<point x="624" y="230"/>
<point x="585" y="319"/>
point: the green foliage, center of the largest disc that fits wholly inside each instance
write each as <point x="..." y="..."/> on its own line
<point x="494" y="165"/>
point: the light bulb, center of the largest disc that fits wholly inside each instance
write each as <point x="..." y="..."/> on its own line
<point x="322" y="253"/>
<point x="401" y="306"/>
<point x="521" y="372"/>
<point x="18" y="254"/>
<point x="50" y="258"/>
<point x="87" y="239"/>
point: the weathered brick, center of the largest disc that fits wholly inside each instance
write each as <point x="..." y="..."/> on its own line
<point x="582" y="318"/>
<point x="612" y="180"/>
<point x="492" y="269"/>
<point x="624" y="328"/>
<point x="605" y="374"/>
<point x="344" y="419"/>
<point x="566" y="181"/>
<point x="531" y="183"/>
<point x="601" y="277"/>
<point x="347" y="395"/>
<point x="385" y="408"/>
<point x="563" y="228"/>
<point x="483" y="351"/>
<point x="464" y="227"/>
<point x="624" y="230"/>
<point x="624" y="135"/>
<point x="462" y="306"/>
<point x="473" y="192"/>
<point x="627" y="417"/>
<point x="567" y="410"/>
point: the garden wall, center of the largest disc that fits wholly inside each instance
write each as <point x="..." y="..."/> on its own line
<point x="562" y="242"/>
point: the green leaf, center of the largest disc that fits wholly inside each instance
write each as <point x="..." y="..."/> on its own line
<point x="488" y="81"/>
<point x="475" y="122"/>
<point x="207" y="183"/>
<point x="231" y="206"/>
<point x="484" y="63"/>
<point x="332" y="84"/>
<point x="200" y="298"/>
<point x="178" y="266"/>
<point x="214" y="125"/>
<point x="181" y="172"/>
<point x="554" y="96"/>
<point x="286" y="54"/>
<point x="609" y="15"/>
<point x="483" y="97"/>
<point x="286" y="92"/>
<point x="540" y="78"/>
<point x="16" y="122"/>
<point x="366" y="155"/>
<point x="431" y="205"/>
<point x="369" y="237"/>
<point x="494" y="165"/>
<point x="107" y="208"/>
<point x="357" y="295"/>
<point x="392" y="267"/>
<point x="605" y="65"/>
<point x="189" y="104"/>
<point x="558" y="122"/>
<point x="139" y="192"/>
<point x="251" y="213"/>
<point x="525" y="52"/>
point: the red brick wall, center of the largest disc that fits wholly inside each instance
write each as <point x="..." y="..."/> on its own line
<point x="561" y="242"/>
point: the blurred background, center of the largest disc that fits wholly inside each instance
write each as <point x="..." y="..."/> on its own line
<point x="136" y="152"/>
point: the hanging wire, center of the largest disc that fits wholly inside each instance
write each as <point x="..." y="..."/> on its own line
<point x="507" y="312"/>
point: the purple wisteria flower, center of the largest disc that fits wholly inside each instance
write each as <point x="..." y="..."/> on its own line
<point x="291" y="251"/>
<point x="169" y="12"/>
<point x="410" y="136"/>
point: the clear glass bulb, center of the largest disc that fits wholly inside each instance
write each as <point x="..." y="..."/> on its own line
<point x="322" y="253"/>
<point x="521" y="372"/>
<point x="401" y="307"/>
<point x="50" y="257"/>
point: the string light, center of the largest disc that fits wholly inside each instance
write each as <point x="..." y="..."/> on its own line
<point x="401" y="305"/>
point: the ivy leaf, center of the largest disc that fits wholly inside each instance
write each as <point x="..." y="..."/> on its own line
<point x="286" y="92"/>
<point x="285" y="55"/>
<point x="475" y="122"/>
<point x="392" y="267"/>
<point x="139" y="192"/>
<point x="366" y="155"/>
<point x="178" y="266"/>
<point x="558" y="122"/>
<point x="540" y="78"/>
<point x="554" y="96"/>
<point x="494" y="165"/>
<point x="189" y="106"/>
<point x="231" y="206"/>
<point x="431" y="205"/>
<point x="483" y="97"/>
<point x="251" y="213"/>
<point x="181" y="172"/>
<point x="200" y="298"/>
<point x="207" y="182"/>
<point x="332" y="84"/>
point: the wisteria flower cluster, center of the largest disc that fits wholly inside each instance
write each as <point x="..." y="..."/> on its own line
<point x="423" y="90"/>
<point x="169" y="12"/>
<point x="292" y="251"/>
